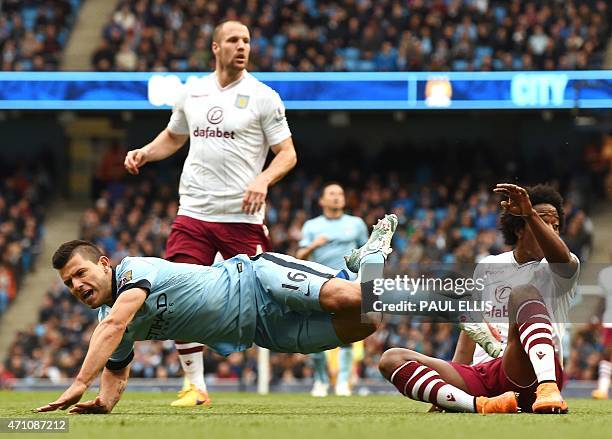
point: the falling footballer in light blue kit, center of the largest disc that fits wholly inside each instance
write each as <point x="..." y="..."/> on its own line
<point x="271" y="300"/>
<point x="327" y="239"/>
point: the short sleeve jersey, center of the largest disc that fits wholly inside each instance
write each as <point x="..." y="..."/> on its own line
<point x="502" y="272"/>
<point x="231" y="130"/>
<point x="185" y="302"/>
<point x="343" y="235"/>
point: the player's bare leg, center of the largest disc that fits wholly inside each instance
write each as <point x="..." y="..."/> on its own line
<point x="530" y="353"/>
<point x="343" y="298"/>
<point x="320" y="374"/>
<point x="349" y="327"/>
<point x="432" y="380"/>
<point x="345" y="366"/>
<point x="603" y="380"/>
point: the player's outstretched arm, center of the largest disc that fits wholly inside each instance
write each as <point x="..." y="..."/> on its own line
<point x="104" y="340"/>
<point x="112" y="385"/>
<point x="283" y="162"/>
<point x="163" y="146"/>
<point x="553" y="247"/>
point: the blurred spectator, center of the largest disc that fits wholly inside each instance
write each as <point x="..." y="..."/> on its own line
<point x="126" y="58"/>
<point x="6" y="378"/>
<point x="110" y="166"/>
<point x="8" y="287"/>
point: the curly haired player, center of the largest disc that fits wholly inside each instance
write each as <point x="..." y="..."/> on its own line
<point x="540" y="274"/>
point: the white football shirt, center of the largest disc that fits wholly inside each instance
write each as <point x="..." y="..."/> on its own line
<point x="605" y="282"/>
<point x="502" y="272"/>
<point x="231" y="130"/>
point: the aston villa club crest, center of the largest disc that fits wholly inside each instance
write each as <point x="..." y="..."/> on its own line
<point x="242" y="101"/>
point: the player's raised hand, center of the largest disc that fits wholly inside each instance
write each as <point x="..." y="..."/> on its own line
<point x="134" y="160"/>
<point x="255" y="195"/>
<point x="93" y="407"/>
<point x="71" y="396"/>
<point x="319" y="241"/>
<point x="518" y="202"/>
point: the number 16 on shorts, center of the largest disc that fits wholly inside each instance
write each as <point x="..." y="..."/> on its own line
<point x="295" y="277"/>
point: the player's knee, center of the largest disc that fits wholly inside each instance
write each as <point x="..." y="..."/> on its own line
<point x="393" y="358"/>
<point x="521" y="293"/>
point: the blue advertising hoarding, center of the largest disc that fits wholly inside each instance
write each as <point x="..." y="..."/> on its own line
<point x="319" y="91"/>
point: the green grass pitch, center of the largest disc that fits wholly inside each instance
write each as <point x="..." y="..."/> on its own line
<point x="148" y="415"/>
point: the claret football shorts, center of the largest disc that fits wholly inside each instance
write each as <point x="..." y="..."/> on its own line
<point x="201" y="240"/>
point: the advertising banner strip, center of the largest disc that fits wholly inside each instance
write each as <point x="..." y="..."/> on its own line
<point x="319" y="91"/>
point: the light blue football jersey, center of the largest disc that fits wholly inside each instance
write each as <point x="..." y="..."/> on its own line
<point x="343" y="235"/>
<point x="210" y="305"/>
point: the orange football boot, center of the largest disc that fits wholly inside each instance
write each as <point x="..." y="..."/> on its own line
<point x="549" y="399"/>
<point x="504" y="403"/>
<point x="598" y="394"/>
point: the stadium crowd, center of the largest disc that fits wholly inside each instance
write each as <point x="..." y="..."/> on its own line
<point x="450" y="220"/>
<point x="22" y="210"/>
<point x="33" y="33"/>
<point x="361" y="35"/>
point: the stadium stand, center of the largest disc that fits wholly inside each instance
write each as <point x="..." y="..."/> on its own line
<point x="22" y="212"/>
<point x="449" y="218"/>
<point x="350" y="35"/>
<point x="33" y="33"/>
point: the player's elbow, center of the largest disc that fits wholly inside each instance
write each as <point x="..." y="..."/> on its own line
<point x="291" y="158"/>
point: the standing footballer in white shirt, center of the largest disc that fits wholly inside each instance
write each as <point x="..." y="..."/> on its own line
<point x="232" y="120"/>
